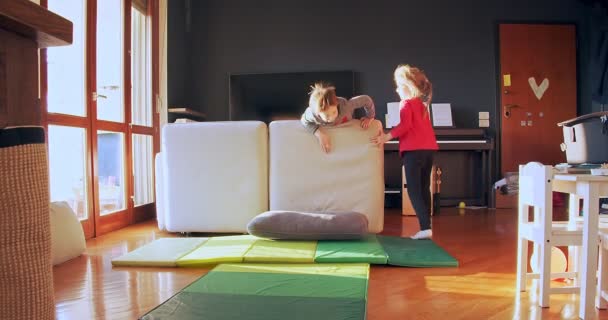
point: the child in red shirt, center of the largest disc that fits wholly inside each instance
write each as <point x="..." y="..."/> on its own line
<point x="417" y="142"/>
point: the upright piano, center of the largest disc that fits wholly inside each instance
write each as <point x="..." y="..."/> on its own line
<point x="465" y="159"/>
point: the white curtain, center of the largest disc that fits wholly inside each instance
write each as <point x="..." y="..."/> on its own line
<point x="162" y="33"/>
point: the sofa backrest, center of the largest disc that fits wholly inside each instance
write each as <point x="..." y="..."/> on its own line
<point x="215" y="175"/>
<point x="349" y="178"/>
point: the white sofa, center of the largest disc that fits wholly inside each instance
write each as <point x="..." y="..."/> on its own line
<point x="217" y="176"/>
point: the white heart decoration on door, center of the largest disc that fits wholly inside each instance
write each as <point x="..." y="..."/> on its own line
<point x="539" y="91"/>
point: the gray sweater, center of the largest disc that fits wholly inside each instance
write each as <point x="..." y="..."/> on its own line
<point x="346" y="109"/>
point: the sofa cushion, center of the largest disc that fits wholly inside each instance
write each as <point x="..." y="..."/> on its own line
<point x="308" y="225"/>
<point x="215" y="175"/>
<point x="348" y="179"/>
<point x="160" y="191"/>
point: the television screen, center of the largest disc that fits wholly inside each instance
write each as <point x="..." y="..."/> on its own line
<point x="277" y="96"/>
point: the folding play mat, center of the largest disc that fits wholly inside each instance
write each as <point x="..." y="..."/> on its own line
<point x="205" y="252"/>
<point x="271" y="292"/>
<point x="256" y="278"/>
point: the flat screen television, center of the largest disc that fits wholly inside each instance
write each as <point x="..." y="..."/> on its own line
<point x="278" y="96"/>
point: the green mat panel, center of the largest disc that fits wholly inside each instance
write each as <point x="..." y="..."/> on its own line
<point x="326" y="282"/>
<point x="162" y="252"/>
<point x="209" y="306"/>
<point x="355" y="270"/>
<point x="272" y="292"/>
<point x="281" y="251"/>
<point x="367" y="250"/>
<point x="407" y="252"/>
<point x="203" y="252"/>
<point x="218" y="250"/>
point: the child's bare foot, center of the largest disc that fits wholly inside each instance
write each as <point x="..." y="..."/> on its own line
<point x="423" y="234"/>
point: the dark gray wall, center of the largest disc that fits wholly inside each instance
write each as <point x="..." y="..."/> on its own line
<point x="177" y="54"/>
<point x="453" y="41"/>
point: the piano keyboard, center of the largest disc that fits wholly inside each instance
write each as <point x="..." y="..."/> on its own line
<point x="448" y="141"/>
<point x="460" y="140"/>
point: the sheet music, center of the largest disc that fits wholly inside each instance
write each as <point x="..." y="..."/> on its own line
<point x="393" y="114"/>
<point x="442" y="114"/>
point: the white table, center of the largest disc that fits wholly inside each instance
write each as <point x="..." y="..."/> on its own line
<point x="590" y="189"/>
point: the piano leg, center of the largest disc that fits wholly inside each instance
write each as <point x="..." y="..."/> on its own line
<point x="484" y="177"/>
<point x="437" y="190"/>
<point x="489" y="175"/>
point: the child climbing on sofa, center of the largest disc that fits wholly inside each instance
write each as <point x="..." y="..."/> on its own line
<point x="417" y="142"/>
<point x="326" y="109"/>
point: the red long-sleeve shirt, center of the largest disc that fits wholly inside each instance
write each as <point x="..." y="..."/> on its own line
<point x="414" y="130"/>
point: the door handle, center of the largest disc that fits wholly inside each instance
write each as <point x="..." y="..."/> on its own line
<point x="96" y="96"/>
<point x="507" y="109"/>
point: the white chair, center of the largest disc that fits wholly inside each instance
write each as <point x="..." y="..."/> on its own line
<point x="535" y="190"/>
<point x="602" y="277"/>
<point x="574" y="255"/>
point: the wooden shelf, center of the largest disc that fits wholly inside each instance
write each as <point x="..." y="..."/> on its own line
<point x="34" y="22"/>
<point x="188" y="113"/>
<point x="24" y="28"/>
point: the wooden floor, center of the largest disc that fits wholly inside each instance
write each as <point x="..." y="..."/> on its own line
<point x="483" y="287"/>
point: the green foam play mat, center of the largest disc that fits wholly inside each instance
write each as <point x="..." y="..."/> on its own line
<point x="159" y="253"/>
<point x="367" y="250"/>
<point x="271" y="292"/>
<point x="205" y="252"/>
<point x="408" y="252"/>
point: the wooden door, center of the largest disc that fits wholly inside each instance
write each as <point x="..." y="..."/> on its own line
<point x="538" y="90"/>
<point x="102" y="127"/>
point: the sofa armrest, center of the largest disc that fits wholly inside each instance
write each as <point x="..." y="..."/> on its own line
<point x="160" y="192"/>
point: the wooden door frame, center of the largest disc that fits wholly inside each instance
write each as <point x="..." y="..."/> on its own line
<point x="96" y="224"/>
<point x="147" y="211"/>
<point x="120" y="218"/>
<point x="88" y="225"/>
<point x="498" y="82"/>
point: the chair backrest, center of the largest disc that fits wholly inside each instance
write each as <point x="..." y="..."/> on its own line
<point x="535" y="189"/>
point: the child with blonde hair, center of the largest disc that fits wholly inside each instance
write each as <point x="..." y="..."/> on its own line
<point x="326" y="109"/>
<point x="417" y="142"/>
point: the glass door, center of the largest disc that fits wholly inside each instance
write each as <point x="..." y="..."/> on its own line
<point x="68" y="123"/>
<point x="111" y="141"/>
<point x="101" y="121"/>
<point x="142" y="128"/>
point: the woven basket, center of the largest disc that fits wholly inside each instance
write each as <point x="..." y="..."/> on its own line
<point x="26" y="274"/>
